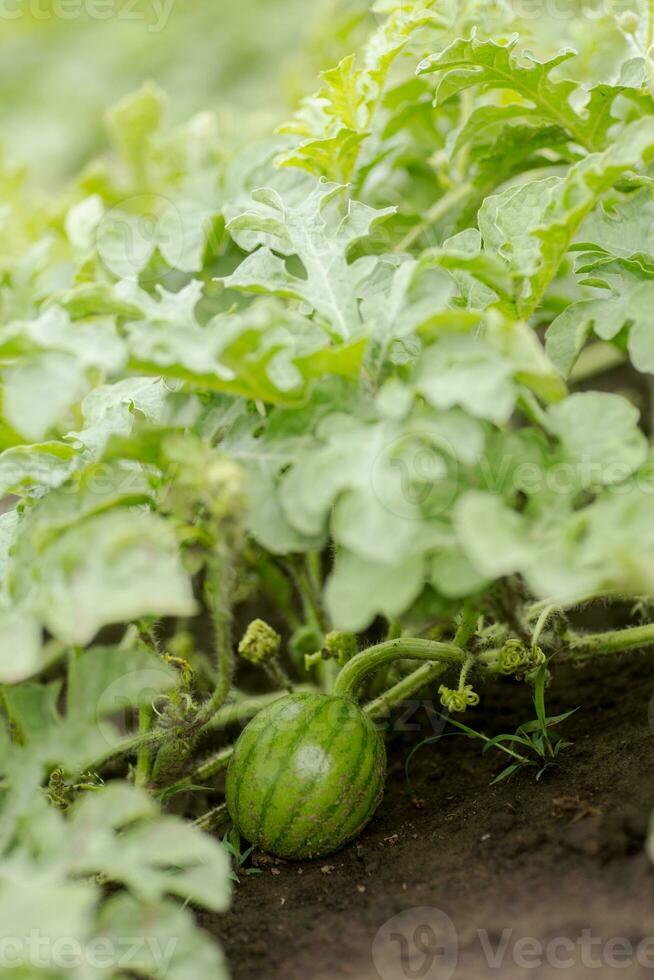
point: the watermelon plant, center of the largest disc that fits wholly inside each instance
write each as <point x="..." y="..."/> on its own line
<point x="295" y="430"/>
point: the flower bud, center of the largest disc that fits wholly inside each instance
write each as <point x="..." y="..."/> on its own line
<point x="260" y="643"/>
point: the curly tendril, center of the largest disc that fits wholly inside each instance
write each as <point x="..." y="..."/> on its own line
<point x="518" y="659"/>
<point x="459" y="699"/>
<point x="464" y="696"/>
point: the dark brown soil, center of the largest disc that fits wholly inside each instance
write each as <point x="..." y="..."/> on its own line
<point x="539" y="879"/>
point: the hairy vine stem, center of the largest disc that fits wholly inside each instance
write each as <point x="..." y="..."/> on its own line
<point x="542" y="622"/>
<point x="582" y="646"/>
<point x="355" y="671"/>
<point x="214" y="764"/>
<point x="534" y="610"/>
<point x="129" y="746"/>
<point x="405" y="689"/>
<point x="143" y="756"/>
<point x="213" y="818"/>
<point x="221" y="576"/>
<point x="245" y="707"/>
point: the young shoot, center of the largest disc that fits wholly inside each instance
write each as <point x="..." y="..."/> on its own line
<point x="534" y="745"/>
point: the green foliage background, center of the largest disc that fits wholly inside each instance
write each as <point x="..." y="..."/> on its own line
<point x="246" y="61"/>
<point x="226" y="351"/>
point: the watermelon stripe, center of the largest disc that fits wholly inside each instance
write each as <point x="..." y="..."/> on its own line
<point x="361" y="778"/>
<point x="303" y="721"/>
<point x="356" y="767"/>
<point x="376" y="776"/>
<point x="267" y="728"/>
<point x="337" y="816"/>
<point x="307" y="787"/>
<point x="244" y="763"/>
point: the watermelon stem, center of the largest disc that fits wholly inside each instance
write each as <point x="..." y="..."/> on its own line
<point x="405" y="689"/>
<point x="353" y="674"/>
<point x="467" y="626"/>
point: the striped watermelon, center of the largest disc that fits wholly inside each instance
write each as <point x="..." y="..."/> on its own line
<point x="306" y="776"/>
